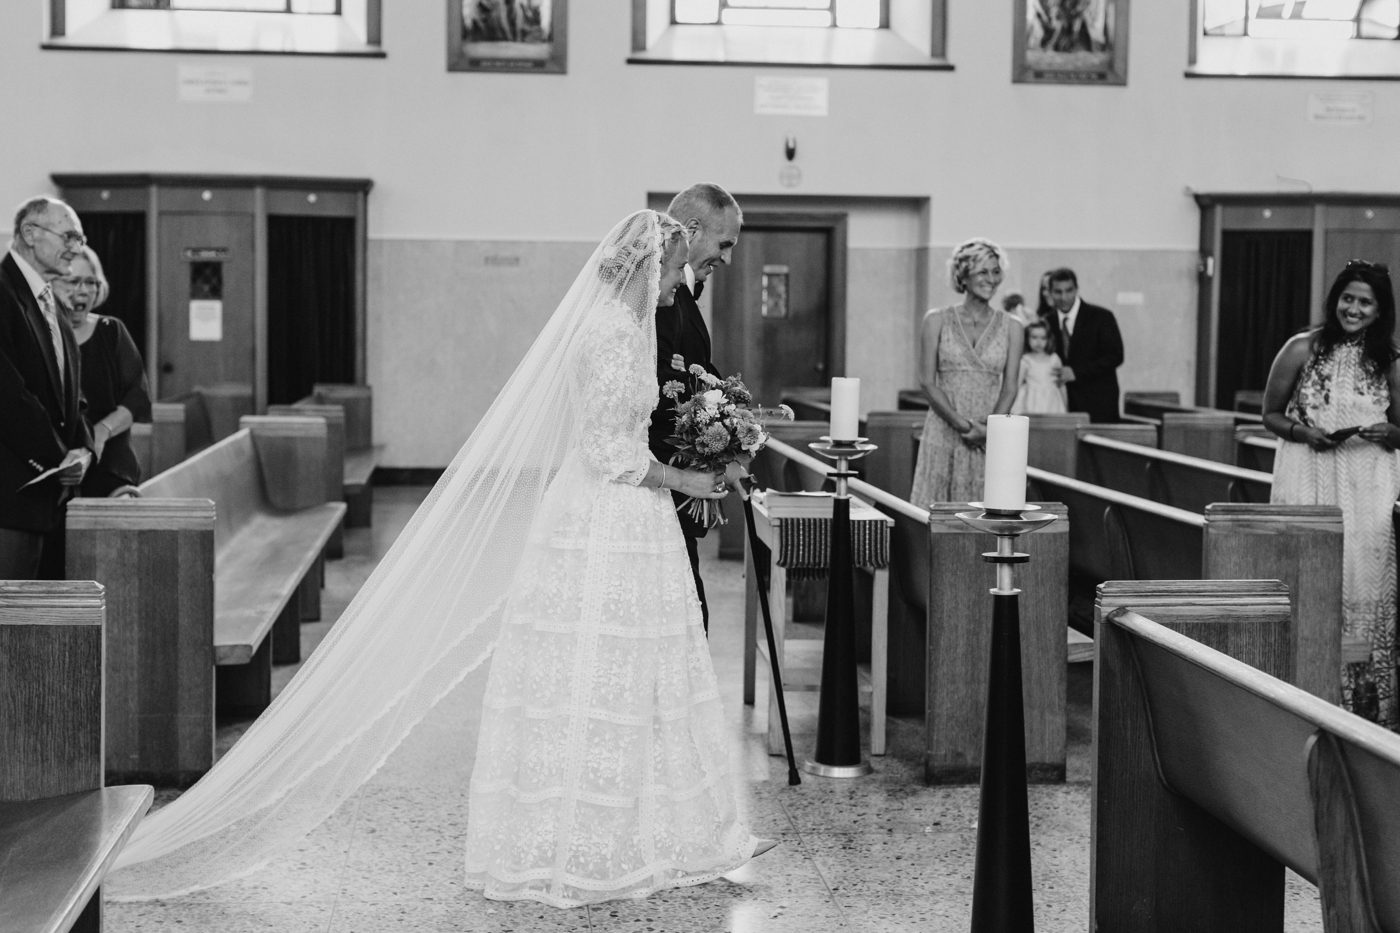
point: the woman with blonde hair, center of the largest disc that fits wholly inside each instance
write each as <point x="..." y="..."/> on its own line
<point x="969" y="360"/>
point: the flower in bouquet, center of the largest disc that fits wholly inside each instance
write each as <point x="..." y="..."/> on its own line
<point x="716" y="425"/>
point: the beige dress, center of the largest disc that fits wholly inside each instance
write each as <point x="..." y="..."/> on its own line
<point x="970" y="368"/>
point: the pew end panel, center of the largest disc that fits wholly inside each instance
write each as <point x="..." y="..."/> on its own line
<point x="50" y="688"/>
<point x="156" y="559"/>
<point x="1159" y="861"/>
<point x="1051" y="445"/>
<point x="1263" y="774"/>
<point x="361" y="453"/>
<point x="1300" y="545"/>
<point x="959" y="645"/>
<point x="60" y="829"/>
<point x="334" y="462"/>
<point x="1209" y="435"/>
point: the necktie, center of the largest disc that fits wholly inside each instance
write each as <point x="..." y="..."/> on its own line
<point x="51" y="317"/>
<point x="1065" y="333"/>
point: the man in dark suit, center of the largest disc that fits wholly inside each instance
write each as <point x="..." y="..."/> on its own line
<point x="1090" y="346"/>
<point x="711" y="218"/>
<point x="41" y="422"/>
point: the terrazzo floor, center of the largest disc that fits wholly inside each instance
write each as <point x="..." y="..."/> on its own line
<point x="881" y="853"/>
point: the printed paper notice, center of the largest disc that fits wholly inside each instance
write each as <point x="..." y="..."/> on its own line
<point x="792" y="97"/>
<point x="206" y="319"/>
<point x="218" y="83"/>
<point x="1340" y="107"/>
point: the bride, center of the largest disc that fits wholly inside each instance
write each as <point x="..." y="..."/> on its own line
<point x="551" y="547"/>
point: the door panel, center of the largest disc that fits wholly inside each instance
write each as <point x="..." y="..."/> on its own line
<point x="208" y="259"/>
<point x="773" y="310"/>
<point x="1374" y="245"/>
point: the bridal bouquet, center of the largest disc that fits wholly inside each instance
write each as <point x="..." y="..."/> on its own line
<point x="717" y="424"/>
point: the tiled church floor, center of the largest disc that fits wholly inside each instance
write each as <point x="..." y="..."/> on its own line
<point x="879" y="853"/>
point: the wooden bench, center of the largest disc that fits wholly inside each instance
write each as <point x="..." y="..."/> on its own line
<point x="334" y="416"/>
<point x="891" y="468"/>
<point x="361" y="453"/>
<point x="189" y="422"/>
<point x="1211" y="773"/>
<point x="1189" y="483"/>
<point x="60" y="829"/>
<point x="1115" y="536"/>
<point x="808" y="403"/>
<point x="1055" y="439"/>
<point x="213" y="567"/>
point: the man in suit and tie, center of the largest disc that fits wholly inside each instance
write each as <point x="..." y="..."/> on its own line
<point x="1091" y="347"/>
<point x="711" y="218"/>
<point x="41" y="422"/>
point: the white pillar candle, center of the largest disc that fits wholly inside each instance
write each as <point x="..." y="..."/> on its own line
<point x="1004" y="486"/>
<point x="845" y="409"/>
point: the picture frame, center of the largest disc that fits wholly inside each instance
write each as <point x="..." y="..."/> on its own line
<point x="522" y="36"/>
<point x="1070" y="42"/>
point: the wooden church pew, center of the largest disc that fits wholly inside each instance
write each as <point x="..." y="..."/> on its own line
<point x="1211" y="773"/>
<point x="60" y="828"/>
<point x="1189" y="483"/>
<point x="206" y="565"/>
<point x="1114" y="536"/>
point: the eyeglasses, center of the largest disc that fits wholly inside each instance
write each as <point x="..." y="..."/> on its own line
<point x="71" y="238"/>
<point x="76" y="283"/>
<point x="1365" y="264"/>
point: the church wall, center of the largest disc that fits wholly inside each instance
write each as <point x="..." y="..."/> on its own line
<point x="472" y="166"/>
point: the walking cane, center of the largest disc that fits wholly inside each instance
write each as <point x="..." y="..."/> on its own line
<point x="761" y="580"/>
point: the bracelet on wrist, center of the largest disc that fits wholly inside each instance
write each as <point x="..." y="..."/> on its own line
<point x="662" y="484"/>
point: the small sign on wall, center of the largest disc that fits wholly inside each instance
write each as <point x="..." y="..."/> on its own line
<point x="206" y="319"/>
<point x="216" y="83"/>
<point x="796" y="97"/>
<point x="1353" y="107"/>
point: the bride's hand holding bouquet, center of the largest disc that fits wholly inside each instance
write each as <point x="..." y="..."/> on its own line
<point x="717" y="425"/>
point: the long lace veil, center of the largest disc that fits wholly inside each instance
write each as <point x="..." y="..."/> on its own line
<point x="427" y="616"/>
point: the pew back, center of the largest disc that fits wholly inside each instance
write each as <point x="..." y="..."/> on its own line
<point x="1184" y="482"/>
<point x="1297" y="780"/>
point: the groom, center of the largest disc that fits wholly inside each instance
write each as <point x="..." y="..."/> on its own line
<point x="711" y="218"/>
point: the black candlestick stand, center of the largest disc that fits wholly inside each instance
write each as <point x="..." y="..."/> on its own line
<point x="1001" y="882"/>
<point x="838" y="715"/>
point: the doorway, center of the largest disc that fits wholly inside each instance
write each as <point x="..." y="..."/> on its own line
<point x="206" y="332"/>
<point x="779" y="310"/>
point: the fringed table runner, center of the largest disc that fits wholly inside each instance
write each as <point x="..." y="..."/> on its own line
<point x="804" y="543"/>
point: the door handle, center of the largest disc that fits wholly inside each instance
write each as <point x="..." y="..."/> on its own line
<point x="820" y="368"/>
<point x="167" y="368"/>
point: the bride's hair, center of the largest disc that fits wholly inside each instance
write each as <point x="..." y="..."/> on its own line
<point x="426" y="618"/>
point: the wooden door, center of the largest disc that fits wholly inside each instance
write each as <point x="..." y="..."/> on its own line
<point x="779" y="307"/>
<point x="207" y="333"/>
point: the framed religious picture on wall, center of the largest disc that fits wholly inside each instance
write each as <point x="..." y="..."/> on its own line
<point x="526" y="36"/>
<point x="1070" y="42"/>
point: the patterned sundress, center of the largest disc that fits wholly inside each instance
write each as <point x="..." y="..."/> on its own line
<point x="1334" y="391"/>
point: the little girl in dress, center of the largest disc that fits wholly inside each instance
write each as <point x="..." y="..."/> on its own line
<point x="1040" y="390"/>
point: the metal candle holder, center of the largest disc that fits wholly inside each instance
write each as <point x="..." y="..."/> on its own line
<point x="1001" y="885"/>
<point x="838" y="752"/>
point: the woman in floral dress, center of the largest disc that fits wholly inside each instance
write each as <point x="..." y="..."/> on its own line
<point x="1333" y="397"/>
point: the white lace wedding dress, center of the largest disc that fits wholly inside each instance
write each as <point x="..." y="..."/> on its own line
<point x="602" y="766"/>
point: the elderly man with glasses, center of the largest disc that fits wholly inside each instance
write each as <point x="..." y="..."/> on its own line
<point x="44" y="441"/>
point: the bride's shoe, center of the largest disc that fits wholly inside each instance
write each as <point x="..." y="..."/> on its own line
<point x="763" y="846"/>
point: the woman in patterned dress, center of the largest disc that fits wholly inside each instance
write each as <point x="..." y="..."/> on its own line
<point x="969" y="361"/>
<point x="1334" y="398"/>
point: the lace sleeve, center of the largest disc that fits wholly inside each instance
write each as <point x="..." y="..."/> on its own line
<point x="611" y="439"/>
